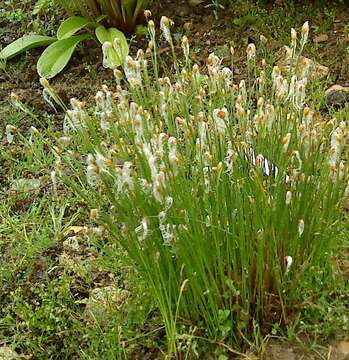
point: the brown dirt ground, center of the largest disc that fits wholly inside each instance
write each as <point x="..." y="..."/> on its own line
<point x="84" y="75"/>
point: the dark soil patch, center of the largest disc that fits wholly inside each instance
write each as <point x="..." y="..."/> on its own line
<point x="85" y="74"/>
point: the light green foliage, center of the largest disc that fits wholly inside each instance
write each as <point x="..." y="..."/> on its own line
<point x="25" y="43"/>
<point x="10" y="11"/>
<point x="44" y="285"/>
<point x="116" y="53"/>
<point x="54" y="59"/>
<point x="71" y="26"/>
<point x="39" y="6"/>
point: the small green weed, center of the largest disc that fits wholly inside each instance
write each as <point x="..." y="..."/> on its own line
<point x="46" y="282"/>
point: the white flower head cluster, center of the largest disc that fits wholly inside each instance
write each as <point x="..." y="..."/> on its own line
<point x="188" y="134"/>
<point x="75" y="118"/>
<point x="106" y="50"/>
<point x="100" y="165"/>
<point x="220" y="117"/>
<point x="17" y="103"/>
<point x="338" y="139"/>
<point x="251" y="52"/>
<point x="133" y="71"/>
<point x="104" y="108"/>
<point x="305" y="33"/>
<point x="142" y="230"/>
<point x="185" y="47"/>
<point x="293" y="91"/>
<point x="112" y="53"/>
<point x="10" y="132"/>
<point x="165" y="24"/>
<point x="213" y="65"/>
<point x="289" y="262"/>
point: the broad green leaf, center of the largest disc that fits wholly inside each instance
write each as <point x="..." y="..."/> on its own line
<point x="129" y="6"/>
<point x="39" y="6"/>
<point x="104" y="35"/>
<point x="109" y="35"/>
<point x="141" y="30"/>
<point x="141" y="4"/>
<point x="71" y="26"/>
<point x="101" y="18"/>
<point x="25" y="43"/>
<point x="54" y="59"/>
<point x="2" y="64"/>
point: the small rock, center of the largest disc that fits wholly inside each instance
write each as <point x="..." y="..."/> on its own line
<point x="249" y="355"/>
<point x="343" y="347"/>
<point x="188" y="26"/>
<point x="320" y="38"/>
<point x="104" y="300"/>
<point x="340" y="351"/>
<point x="311" y="69"/>
<point x="77" y="229"/>
<point x="25" y="185"/>
<point x="279" y="352"/>
<point x="337" y="95"/>
<point x="71" y="244"/>
<point x="6" y="353"/>
<point x="195" y="2"/>
<point x="184" y="10"/>
<point x="306" y="67"/>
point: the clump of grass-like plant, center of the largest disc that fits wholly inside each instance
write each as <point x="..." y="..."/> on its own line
<point x="227" y="197"/>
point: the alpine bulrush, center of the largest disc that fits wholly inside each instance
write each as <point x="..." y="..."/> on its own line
<point x="242" y="164"/>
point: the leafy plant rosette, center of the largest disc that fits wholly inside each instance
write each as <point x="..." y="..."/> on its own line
<point x="227" y="197"/>
<point x="125" y="15"/>
<point x="61" y="48"/>
<point x="122" y="14"/>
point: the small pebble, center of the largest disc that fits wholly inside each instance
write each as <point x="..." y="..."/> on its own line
<point x="320" y="38"/>
<point x="337" y="95"/>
